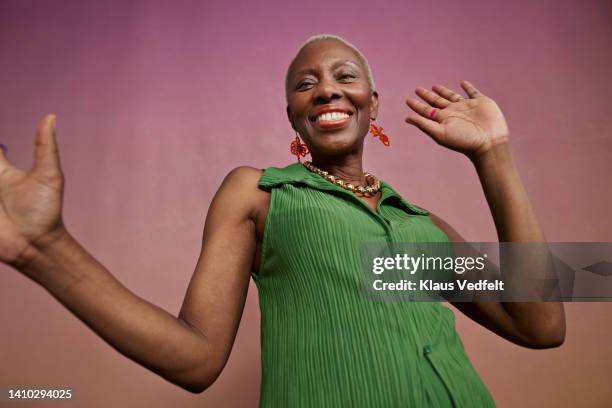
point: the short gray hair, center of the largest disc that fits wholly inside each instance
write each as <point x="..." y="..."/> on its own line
<point x="321" y="37"/>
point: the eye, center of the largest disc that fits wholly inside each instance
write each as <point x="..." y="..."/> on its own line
<point x="346" y="77"/>
<point x="303" y="85"/>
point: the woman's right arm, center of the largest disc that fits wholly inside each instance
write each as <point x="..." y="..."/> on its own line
<point x="190" y="350"/>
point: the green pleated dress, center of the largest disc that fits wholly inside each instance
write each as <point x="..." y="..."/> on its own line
<point x="323" y="343"/>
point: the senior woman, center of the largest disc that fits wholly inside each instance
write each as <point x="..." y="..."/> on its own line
<point x="296" y="231"/>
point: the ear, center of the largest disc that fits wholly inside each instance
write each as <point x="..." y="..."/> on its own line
<point x="289" y="117"/>
<point x="374" y="105"/>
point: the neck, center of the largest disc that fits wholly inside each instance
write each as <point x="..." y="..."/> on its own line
<point x="348" y="167"/>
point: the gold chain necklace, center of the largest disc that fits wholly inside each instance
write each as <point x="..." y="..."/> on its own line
<point x="372" y="188"/>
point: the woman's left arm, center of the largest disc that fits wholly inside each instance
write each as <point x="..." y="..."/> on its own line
<point x="477" y="128"/>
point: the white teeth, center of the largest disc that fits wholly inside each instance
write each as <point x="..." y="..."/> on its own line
<point x="331" y="116"/>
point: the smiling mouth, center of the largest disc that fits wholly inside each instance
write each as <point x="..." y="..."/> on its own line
<point x="332" y="119"/>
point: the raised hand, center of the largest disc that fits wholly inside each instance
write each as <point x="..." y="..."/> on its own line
<point x="470" y="126"/>
<point x="31" y="202"/>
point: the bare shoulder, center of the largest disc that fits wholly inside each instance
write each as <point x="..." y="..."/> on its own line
<point x="243" y="177"/>
<point x="240" y="186"/>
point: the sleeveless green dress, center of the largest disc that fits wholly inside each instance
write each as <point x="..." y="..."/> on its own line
<point x="323" y="344"/>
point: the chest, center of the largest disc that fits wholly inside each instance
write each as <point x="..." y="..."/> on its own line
<point x="293" y="219"/>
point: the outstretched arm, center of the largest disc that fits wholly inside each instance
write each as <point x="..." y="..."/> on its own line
<point x="529" y="327"/>
<point x="476" y="127"/>
<point x="189" y="350"/>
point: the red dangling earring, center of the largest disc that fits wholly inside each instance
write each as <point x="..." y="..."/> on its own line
<point x="378" y="132"/>
<point x="298" y="148"/>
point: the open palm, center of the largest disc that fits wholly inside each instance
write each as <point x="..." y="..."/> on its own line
<point x="470" y="126"/>
<point x="31" y="202"/>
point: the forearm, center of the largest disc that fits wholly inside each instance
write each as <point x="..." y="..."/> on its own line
<point x="512" y="213"/>
<point x="136" y="328"/>
<point x="515" y="221"/>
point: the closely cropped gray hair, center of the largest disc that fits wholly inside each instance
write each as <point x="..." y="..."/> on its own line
<point x="321" y="37"/>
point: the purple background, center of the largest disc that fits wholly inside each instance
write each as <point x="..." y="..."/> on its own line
<point x="157" y="101"/>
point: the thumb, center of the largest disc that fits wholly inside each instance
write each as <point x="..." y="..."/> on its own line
<point x="47" y="161"/>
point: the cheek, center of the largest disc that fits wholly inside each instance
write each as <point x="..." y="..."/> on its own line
<point x="297" y="105"/>
<point x="361" y="97"/>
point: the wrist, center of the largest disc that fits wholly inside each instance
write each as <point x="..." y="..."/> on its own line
<point x="498" y="152"/>
<point x="41" y="246"/>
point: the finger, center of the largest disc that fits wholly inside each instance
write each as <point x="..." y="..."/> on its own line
<point x="471" y="90"/>
<point x="47" y="161"/>
<point x="431" y="127"/>
<point x="447" y="93"/>
<point x="433" y="99"/>
<point x="424" y="109"/>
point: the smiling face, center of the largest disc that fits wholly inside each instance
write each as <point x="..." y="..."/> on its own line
<point x="329" y="99"/>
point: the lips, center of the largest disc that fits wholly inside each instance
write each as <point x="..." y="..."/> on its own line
<point x="322" y="123"/>
<point x="331" y="117"/>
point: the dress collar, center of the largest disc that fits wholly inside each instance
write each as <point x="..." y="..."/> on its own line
<point x="297" y="173"/>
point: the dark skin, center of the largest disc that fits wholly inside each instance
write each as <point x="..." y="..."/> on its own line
<point x="326" y="74"/>
<point x="191" y="349"/>
<point x="475" y="127"/>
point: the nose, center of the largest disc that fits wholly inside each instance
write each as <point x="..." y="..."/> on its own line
<point x="326" y="91"/>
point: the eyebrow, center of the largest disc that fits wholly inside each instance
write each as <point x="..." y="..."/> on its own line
<point x="334" y="65"/>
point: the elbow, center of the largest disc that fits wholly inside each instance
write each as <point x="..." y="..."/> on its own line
<point x="198" y="386"/>
<point x="547" y="343"/>
<point x="197" y="379"/>
<point x="195" y="388"/>
<point x="557" y="338"/>
<point x="201" y="370"/>
<point x="544" y="333"/>
<point x="552" y="338"/>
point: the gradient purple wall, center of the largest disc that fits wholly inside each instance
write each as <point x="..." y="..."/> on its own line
<point x="157" y="101"/>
